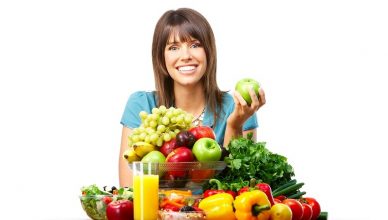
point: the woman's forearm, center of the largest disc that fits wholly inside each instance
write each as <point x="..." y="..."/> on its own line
<point x="231" y="132"/>
<point x="125" y="176"/>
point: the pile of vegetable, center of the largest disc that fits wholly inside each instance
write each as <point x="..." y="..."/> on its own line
<point x="98" y="203"/>
<point x="257" y="184"/>
<point x="248" y="160"/>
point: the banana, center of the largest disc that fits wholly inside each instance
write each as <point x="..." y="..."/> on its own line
<point x="142" y="148"/>
<point x="131" y="155"/>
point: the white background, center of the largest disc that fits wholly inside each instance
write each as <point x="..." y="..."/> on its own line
<point x="68" y="67"/>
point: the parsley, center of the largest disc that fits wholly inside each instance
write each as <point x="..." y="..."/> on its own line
<point x="247" y="160"/>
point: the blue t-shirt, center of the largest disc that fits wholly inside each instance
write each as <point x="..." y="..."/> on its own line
<point x="146" y="101"/>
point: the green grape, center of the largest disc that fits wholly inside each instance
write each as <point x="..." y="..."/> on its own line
<point x="165" y="120"/>
<point x="143" y="115"/>
<point x="135" y="138"/>
<point x="149" y="130"/>
<point x="166" y="137"/>
<point x="147" y="139"/>
<point x="172" y="134"/>
<point x="161" y="128"/>
<point x="160" y="125"/>
<point x="188" y="118"/>
<point x="176" y="111"/>
<point x="154" y="137"/>
<point x="153" y="124"/>
<point x="169" y="114"/>
<point x="130" y="143"/>
<point x="159" y="142"/>
<point x="146" y="122"/>
<point x="162" y="109"/>
<point x="136" y="131"/>
<point x="155" y="111"/>
<point x="142" y="136"/>
<point x="154" y="117"/>
<point x="180" y="118"/>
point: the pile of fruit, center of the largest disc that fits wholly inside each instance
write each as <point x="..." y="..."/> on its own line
<point x="167" y="135"/>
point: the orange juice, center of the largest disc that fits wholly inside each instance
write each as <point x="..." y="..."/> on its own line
<point x="145" y="196"/>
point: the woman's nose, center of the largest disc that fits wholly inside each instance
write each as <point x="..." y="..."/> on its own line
<point x="185" y="53"/>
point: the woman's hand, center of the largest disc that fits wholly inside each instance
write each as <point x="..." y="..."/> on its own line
<point x="242" y="111"/>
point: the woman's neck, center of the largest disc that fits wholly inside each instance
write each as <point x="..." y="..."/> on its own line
<point x="190" y="99"/>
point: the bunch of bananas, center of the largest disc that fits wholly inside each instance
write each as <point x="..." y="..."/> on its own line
<point x="159" y="126"/>
<point x="138" y="150"/>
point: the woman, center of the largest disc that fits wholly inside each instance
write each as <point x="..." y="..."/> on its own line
<point x="184" y="63"/>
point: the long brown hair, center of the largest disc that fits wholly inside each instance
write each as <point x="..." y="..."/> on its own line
<point x="186" y="23"/>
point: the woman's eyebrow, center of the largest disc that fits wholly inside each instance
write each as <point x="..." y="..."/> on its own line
<point x="173" y="42"/>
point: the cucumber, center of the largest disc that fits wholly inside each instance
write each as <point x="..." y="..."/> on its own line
<point x="287" y="184"/>
<point x="288" y="190"/>
<point x="323" y="216"/>
<point x="296" y="195"/>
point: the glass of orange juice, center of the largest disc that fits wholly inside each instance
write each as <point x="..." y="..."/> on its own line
<point x="145" y="190"/>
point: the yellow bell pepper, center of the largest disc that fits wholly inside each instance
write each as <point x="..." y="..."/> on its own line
<point x="218" y="206"/>
<point x="253" y="205"/>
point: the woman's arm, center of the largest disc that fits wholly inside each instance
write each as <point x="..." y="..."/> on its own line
<point x="242" y="111"/>
<point x="125" y="177"/>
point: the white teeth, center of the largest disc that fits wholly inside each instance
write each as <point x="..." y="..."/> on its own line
<point x="186" y="68"/>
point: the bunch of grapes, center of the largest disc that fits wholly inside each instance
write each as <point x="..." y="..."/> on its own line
<point x="161" y="125"/>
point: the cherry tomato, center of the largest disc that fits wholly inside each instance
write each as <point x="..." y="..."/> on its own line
<point x="107" y="199"/>
<point x="296" y="208"/>
<point x="314" y="205"/>
<point x="280" y="211"/>
<point x="307" y="212"/>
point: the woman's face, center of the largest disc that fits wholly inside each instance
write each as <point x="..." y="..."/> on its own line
<point x="185" y="61"/>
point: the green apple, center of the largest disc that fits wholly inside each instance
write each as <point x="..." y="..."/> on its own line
<point x="154" y="157"/>
<point x="207" y="149"/>
<point x="243" y="86"/>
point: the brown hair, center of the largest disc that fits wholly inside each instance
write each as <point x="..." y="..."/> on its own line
<point x="186" y="23"/>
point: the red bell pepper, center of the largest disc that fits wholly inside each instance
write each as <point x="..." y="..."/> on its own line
<point x="264" y="187"/>
<point x="251" y="186"/>
<point x="211" y="192"/>
<point x="244" y="189"/>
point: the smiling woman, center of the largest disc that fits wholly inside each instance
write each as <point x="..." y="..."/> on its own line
<point x="184" y="61"/>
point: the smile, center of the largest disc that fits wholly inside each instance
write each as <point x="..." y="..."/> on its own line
<point x="186" y="69"/>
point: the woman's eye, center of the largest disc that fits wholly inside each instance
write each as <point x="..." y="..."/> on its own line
<point x="173" y="48"/>
<point x="196" y="45"/>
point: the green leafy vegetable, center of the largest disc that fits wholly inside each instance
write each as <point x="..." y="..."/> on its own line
<point x="247" y="160"/>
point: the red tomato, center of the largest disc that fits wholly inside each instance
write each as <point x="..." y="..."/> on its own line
<point x="307" y="212"/>
<point x="107" y="199"/>
<point x="198" y="176"/>
<point x="314" y="205"/>
<point x="120" y="210"/>
<point x="277" y="200"/>
<point x="296" y="208"/>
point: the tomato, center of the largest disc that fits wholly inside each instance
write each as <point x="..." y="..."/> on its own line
<point x="314" y="205"/>
<point x="120" y="210"/>
<point x="197" y="176"/>
<point x="280" y="211"/>
<point x="107" y="199"/>
<point x="296" y="208"/>
<point x="307" y="211"/>
<point x="276" y="201"/>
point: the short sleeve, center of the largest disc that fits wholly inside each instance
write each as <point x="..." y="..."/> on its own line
<point x="137" y="102"/>
<point x="251" y="123"/>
